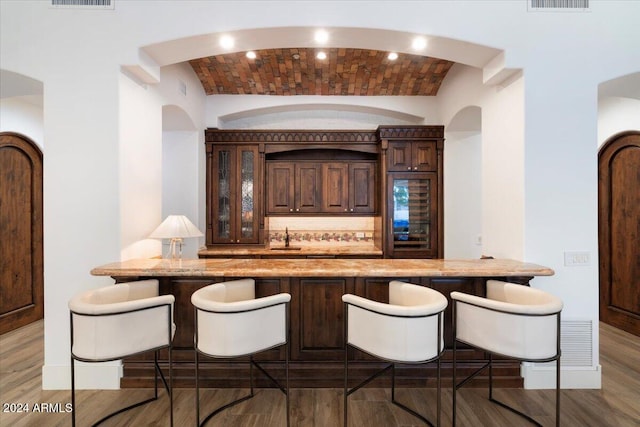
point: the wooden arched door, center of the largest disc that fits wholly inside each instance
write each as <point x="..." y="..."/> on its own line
<point x="21" y="262"/>
<point x="619" y="231"/>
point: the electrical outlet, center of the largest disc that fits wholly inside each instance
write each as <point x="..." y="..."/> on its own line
<point x="577" y="258"/>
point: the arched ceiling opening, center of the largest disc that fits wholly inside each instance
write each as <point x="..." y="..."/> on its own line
<point x="357" y="61"/>
<point x="469" y="119"/>
<point x="175" y="118"/>
<point x="18" y="85"/>
<point x="255" y="112"/>
<point x="623" y="87"/>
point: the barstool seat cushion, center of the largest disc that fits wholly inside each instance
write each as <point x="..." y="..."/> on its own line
<point x="513" y="320"/>
<point x="103" y="319"/>
<point x="232" y="322"/>
<point x="397" y="331"/>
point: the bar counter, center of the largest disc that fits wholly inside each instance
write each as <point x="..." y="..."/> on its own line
<point x="316" y="310"/>
<point x="258" y="268"/>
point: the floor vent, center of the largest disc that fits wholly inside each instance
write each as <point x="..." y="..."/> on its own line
<point x="558" y="5"/>
<point x="84" y="4"/>
<point x="576" y="344"/>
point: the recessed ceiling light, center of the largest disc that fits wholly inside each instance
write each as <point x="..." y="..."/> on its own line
<point x="392" y="56"/>
<point x="251" y="55"/>
<point x="227" y="42"/>
<point x="321" y="55"/>
<point x="419" y="43"/>
<point x="321" y="36"/>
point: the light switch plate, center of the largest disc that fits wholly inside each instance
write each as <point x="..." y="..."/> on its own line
<point x="577" y="258"/>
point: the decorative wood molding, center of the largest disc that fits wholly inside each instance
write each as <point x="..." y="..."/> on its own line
<point x="410" y="132"/>
<point x="291" y="136"/>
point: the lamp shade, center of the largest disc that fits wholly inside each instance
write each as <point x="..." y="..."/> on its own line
<point x="176" y="226"/>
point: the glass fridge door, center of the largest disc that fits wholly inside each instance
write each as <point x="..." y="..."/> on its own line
<point x="412" y="213"/>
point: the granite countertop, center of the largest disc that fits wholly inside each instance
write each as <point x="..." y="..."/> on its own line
<point x="295" y="250"/>
<point x="222" y="267"/>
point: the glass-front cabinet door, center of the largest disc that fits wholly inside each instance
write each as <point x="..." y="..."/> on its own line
<point x="412" y="229"/>
<point x="233" y="211"/>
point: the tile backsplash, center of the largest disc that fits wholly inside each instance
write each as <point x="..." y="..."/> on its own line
<point x="321" y="230"/>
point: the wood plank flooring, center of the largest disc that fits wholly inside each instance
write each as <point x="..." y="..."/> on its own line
<point x="617" y="404"/>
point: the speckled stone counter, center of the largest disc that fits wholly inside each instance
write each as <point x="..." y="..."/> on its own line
<point x="316" y="286"/>
<point x="260" y="268"/>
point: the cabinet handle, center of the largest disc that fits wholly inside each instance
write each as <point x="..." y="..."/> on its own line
<point x="351" y="210"/>
<point x="409" y="168"/>
<point x="291" y="210"/>
<point x="297" y="210"/>
<point x="346" y="209"/>
<point x="415" y="168"/>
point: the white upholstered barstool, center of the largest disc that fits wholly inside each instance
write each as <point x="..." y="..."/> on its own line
<point x="408" y="330"/>
<point x="231" y="322"/>
<point x="513" y="321"/>
<point x="118" y="321"/>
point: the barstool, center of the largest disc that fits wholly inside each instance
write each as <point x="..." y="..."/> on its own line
<point x="118" y="321"/>
<point x="408" y="330"/>
<point x="230" y="322"/>
<point x="513" y="321"/>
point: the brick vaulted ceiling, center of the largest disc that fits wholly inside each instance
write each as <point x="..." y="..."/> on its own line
<point x="297" y="71"/>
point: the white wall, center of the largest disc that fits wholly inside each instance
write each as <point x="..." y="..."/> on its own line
<point x="617" y="114"/>
<point x="463" y="195"/>
<point x="180" y="183"/>
<point x="23" y="116"/>
<point x="183" y="152"/>
<point x="140" y="161"/>
<point x="318" y="112"/>
<point x="561" y="54"/>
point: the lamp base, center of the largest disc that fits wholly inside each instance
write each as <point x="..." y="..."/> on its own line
<point x="175" y="248"/>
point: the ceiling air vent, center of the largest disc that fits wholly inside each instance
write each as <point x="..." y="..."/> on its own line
<point x="83" y="4"/>
<point x="558" y="5"/>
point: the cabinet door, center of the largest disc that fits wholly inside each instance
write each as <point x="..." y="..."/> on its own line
<point x="362" y="187"/>
<point x="335" y="187"/>
<point x="235" y="204"/>
<point x="399" y="156"/>
<point x="280" y="188"/>
<point x="247" y="194"/>
<point x="412" y="223"/>
<point x="424" y="156"/>
<point x="223" y="194"/>
<point x="317" y="316"/>
<point x="308" y="187"/>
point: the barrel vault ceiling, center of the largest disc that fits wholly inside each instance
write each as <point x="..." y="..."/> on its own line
<point x="297" y="71"/>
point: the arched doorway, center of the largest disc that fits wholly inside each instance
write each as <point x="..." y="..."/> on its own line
<point x="619" y="231"/>
<point x="21" y="264"/>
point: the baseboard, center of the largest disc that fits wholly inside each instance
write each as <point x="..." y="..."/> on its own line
<point x="89" y="376"/>
<point x="537" y="377"/>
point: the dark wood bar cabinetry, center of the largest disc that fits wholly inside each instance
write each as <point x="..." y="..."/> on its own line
<point x="413" y="217"/>
<point x="394" y="173"/>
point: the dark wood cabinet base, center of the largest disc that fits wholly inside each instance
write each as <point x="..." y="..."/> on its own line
<point x="316" y="350"/>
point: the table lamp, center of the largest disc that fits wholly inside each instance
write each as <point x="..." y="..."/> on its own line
<point x="176" y="228"/>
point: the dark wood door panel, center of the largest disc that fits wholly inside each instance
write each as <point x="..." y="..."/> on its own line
<point x="317" y="315"/>
<point x="335" y="187"/>
<point x="362" y="187"/>
<point x="21" y="263"/>
<point x="619" y="231"/>
<point x="280" y="188"/>
<point x="308" y="187"/>
<point x="424" y="156"/>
